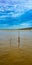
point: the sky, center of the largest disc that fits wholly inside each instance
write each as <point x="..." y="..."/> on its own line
<point x="15" y="14"/>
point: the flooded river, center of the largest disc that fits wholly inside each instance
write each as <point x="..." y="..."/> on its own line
<point x="10" y="54"/>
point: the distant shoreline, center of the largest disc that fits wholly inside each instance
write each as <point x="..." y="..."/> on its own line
<point x="19" y="29"/>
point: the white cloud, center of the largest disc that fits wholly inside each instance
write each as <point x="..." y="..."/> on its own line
<point x="26" y="24"/>
<point x="3" y="17"/>
<point x="17" y="6"/>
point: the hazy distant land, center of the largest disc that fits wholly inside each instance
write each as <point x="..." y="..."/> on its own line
<point x="30" y="28"/>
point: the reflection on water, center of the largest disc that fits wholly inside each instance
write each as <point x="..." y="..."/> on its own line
<point x="7" y="37"/>
<point x="15" y="47"/>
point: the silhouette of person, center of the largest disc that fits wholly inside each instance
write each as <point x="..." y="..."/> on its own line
<point x="18" y="42"/>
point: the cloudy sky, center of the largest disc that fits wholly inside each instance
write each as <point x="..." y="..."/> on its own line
<point x="15" y="14"/>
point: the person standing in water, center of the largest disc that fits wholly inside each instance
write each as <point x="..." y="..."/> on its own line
<point x="18" y="39"/>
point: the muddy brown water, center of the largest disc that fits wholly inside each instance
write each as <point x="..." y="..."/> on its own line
<point x="10" y="54"/>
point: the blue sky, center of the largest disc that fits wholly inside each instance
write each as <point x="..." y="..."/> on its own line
<point x="15" y="14"/>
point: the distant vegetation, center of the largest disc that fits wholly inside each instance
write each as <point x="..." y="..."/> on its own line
<point x="26" y="28"/>
<point x="30" y="28"/>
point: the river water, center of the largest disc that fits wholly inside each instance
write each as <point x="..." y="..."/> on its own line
<point x="11" y="36"/>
